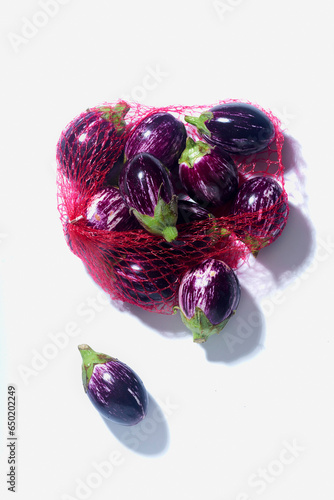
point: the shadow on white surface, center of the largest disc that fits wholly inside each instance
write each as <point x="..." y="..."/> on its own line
<point x="168" y="325"/>
<point x="290" y="254"/>
<point x="148" y="437"/>
<point x="292" y="158"/>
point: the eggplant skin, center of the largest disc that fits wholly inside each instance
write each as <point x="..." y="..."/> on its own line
<point x="142" y="180"/>
<point x="239" y="128"/>
<point x="107" y="210"/>
<point x="212" y="287"/>
<point x="190" y="211"/>
<point x="159" y="134"/>
<point x="118" y="393"/>
<point x="144" y="280"/>
<point x="258" y="196"/>
<point x="147" y="189"/>
<point x="212" y="180"/>
<point x="86" y="147"/>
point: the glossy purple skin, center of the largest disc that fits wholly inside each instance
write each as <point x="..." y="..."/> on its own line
<point x="118" y="393"/>
<point x="86" y="145"/>
<point x="159" y="134"/>
<point x="142" y="179"/>
<point x="189" y="211"/>
<point x="145" y="280"/>
<point x="239" y="128"/>
<point x="213" y="287"/>
<point x="258" y="195"/>
<point x="213" y="179"/>
<point x="108" y="211"/>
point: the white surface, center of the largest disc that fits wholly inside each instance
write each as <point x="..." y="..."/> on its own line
<point x="235" y="405"/>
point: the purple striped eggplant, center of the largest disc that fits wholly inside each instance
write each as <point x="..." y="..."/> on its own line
<point x="107" y="210"/>
<point x="144" y="280"/>
<point x="239" y="128"/>
<point x="209" y="295"/>
<point x="262" y="203"/>
<point x="160" y="135"/>
<point x="114" y="388"/>
<point x="87" y="146"/>
<point x="146" y="188"/>
<point x="190" y="211"/>
<point x="208" y="174"/>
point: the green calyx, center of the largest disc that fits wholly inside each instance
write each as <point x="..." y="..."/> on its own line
<point x="115" y="115"/>
<point x="200" y="122"/>
<point x="163" y="221"/>
<point x="90" y="358"/>
<point x="256" y="245"/>
<point x="193" y="151"/>
<point x="200" y="326"/>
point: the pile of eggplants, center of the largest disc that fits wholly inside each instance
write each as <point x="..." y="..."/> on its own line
<point x="172" y="172"/>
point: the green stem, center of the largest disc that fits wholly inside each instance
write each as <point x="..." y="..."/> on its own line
<point x="201" y="326"/>
<point x="200" y="122"/>
<point x="169" y="233"/>
<point x="115" y="114"/>
<point x="193" y="151"/>
<point x="163" y="221"/>
<point x="90" y="358"/>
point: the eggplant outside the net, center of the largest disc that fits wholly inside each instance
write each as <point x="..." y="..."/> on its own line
<point x="113" y="388"/>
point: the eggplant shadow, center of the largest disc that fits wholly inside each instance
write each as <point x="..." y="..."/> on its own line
<point x="148" y="437"/>
<point x="168" y="325"/>
<point x="292" y="252"/>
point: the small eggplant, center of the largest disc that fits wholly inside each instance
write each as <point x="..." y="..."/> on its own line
<point x="86" y="147"/>
<point x="114" y="388"/>
<point x="146" y="188"/>
<point x="263" y="197"/>
<point x="107" y="210"/>
<point x="159" y="134"/>
<point x="209" y="295"/>
<point x="239" y="128"/>
<point x="190" y="211"/>
<point x="144" y="280"/>
<point x="208" y="174"/>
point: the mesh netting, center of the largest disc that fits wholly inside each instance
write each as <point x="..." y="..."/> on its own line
<point x="135" y="266"/>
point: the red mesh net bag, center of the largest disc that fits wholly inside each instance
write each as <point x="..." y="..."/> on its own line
<point x="133" y="265"/>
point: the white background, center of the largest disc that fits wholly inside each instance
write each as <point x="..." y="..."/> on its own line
<point x="235" y="407"/>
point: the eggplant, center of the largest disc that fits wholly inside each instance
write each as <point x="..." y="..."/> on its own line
<point x="107" y="210"/>
<point x="208" y="174"/>
<point x="144" y="280"/>
<point x="86" y="147"/>
<point x="261" y="197"/>
<point x="209" y="295"/>
<point x="190" y="211"/>
<point x="239" y="128"/>
<point x="114" y="388"/>
<point x="146" y="188"/>
<point x="159" y="134"/>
